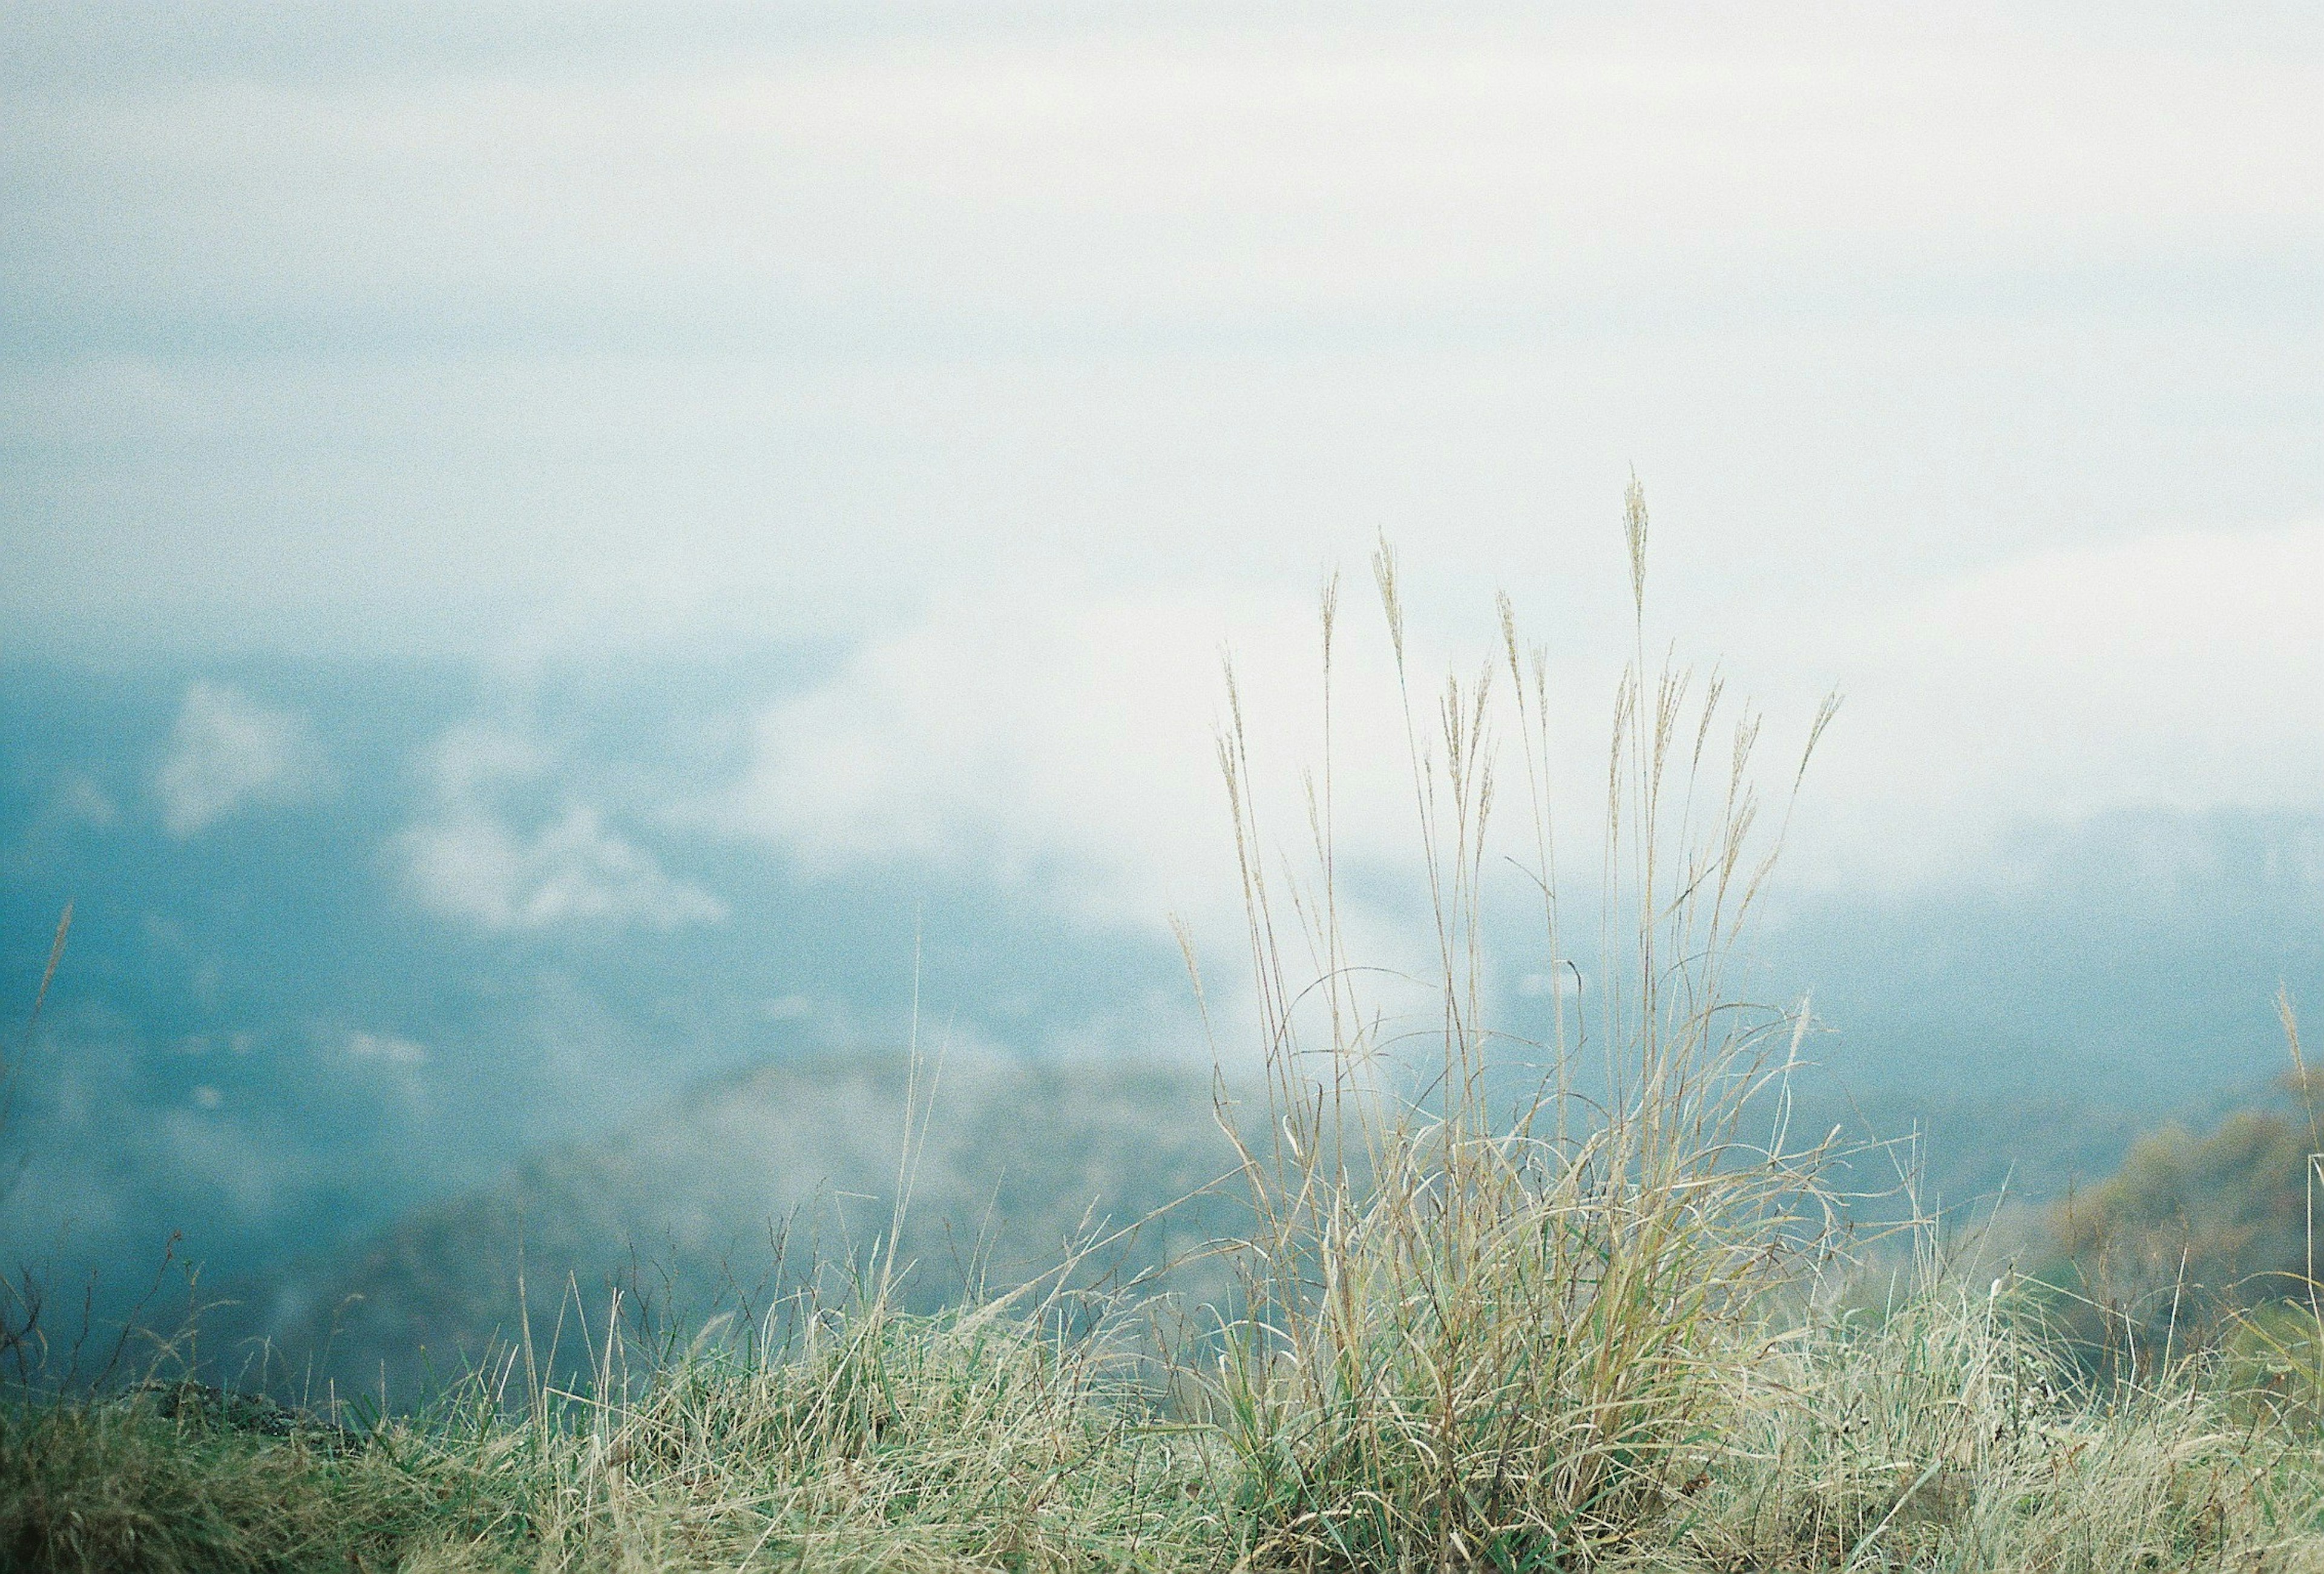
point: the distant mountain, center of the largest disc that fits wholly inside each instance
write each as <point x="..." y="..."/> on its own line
<point x="744" y="1182"/>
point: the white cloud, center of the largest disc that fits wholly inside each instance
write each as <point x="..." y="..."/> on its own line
<point x="1535" y="985"/>
<point x="1062" y="744"/>
<point x="1061" y="748"/>
<point x="387" y="1049"/>
<point x="1158" y="299"/>
<point x="228" y="752"/>
<point x="471" y="859"/>
<point x="571" y="869"/>
<point x="2177" y="671"/>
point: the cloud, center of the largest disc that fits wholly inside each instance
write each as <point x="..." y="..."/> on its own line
<point x="1061" y="749"/>
<point x="1061" y="745"/>
<point x="570" y="870"/>
<point x="2177" y="671"/>
<point x="621" y="340"/>
<point x="226" y="754"/>
<point x="475" y="760"/>
<point x="387" y="1049"/>
<point x="1056" y="744"/>
<point x="79" y="800"/>
<point x="470" y="861"/>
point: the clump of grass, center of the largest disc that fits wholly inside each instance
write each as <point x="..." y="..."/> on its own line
<point x="988" y="1438"/>
<point x="1612" y="1327"/>
<point x="1479" y="1338"/>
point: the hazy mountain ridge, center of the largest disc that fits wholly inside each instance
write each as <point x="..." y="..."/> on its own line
<point x="688" y="1206"/>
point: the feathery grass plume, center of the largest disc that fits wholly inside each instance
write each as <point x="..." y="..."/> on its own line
<point x="1472" y="1338"/>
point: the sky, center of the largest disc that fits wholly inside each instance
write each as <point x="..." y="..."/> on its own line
<point x="613" y="477"/>
<point x="1982" y="346"/>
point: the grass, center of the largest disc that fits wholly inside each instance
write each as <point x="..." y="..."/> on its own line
<point x="880" y="1442"/>
<point x="1938" y="1437"/>
<point x="1605" y="1327"/>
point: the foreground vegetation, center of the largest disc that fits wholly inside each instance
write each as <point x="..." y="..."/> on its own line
<point x="1934" y="1437"/>
<point x="1613" y="1324"/>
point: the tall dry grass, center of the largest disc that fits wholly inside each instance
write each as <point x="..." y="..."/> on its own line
<point x="1484" y="1337"/>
